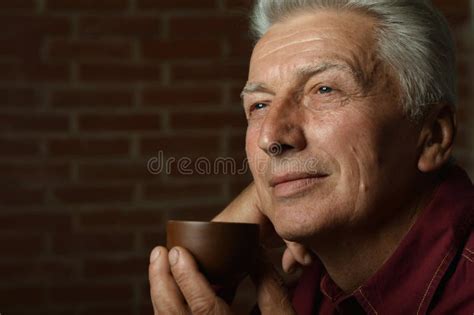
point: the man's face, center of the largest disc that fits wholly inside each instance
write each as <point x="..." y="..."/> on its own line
<point x="328" y="144"/>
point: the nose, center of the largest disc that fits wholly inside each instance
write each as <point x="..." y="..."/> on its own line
<point x="282" y="131"/>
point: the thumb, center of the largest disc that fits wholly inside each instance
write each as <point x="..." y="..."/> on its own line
<point x="295" y="254"/>
<point x="272" y="294"/>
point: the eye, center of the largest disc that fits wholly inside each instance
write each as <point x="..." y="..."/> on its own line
<point x="325" y="90"/>
<point x="258" y="106"/>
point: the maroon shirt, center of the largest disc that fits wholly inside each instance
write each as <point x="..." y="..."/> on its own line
<point x="431" y="271"/>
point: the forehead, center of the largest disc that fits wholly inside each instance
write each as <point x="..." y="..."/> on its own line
<point x="306" y="39"/>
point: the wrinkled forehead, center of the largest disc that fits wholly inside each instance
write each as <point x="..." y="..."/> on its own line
<point x="314" y="37"/>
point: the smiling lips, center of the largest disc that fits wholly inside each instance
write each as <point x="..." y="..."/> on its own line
<point x="291" y="184"/>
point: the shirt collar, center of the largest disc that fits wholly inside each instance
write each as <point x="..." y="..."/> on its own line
<point x="409" y="278"/>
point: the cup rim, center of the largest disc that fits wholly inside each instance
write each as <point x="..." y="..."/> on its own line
<point x="192" y="222"/>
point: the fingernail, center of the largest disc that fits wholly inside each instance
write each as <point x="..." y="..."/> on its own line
<point x="173" y="256"/>
<point x="155" y="254"/>
<point x="307" y="259"/>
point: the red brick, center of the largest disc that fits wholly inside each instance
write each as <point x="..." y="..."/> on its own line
<point x="42" y="172"/>
<point x="113" y="171"/>
<point x="22" y="71"/>
<point x="452" y="5"/>
<point x="240" y="49"/>
<point x="153" y="239"/>
<point x="18" y="4"/>
<point x="211" y="72"/>
<point x="110" y="309"/>
<point x="82" y="292"/>
<point x="456" y="18"/>
<point x="93" y="243"/>
<point x="196" y="213"/>
<point x="124" y="267"/>
<point x="176" y="4"/>
<point x="112" y="98"/>
<point x="119" y="122"/>
<point x="9" y="71"/>
<point x="238" y="4"/>
<point x="75" y="5"/>
<point x="141" y="26"/>
<point x="25" y="97"/>
<point x="34" y="270"/>
<point x="21" y="26"/>
<point x="47" y="72"/>
<point x="61" y="49"/>
<point x="15" y="296"/>
<point x="208" y="26"/>
<point x="122" y="219"/>
<point x="463" y="69"/>
<point x="181" y="49"/>
<point x="462" y="138"/>
<point x="18" y="48"/>
<point x="21" y="196"/>
<point x="207" y="167"/>
<point x="19" y="147"/>
<point x="237" y="143"/>
<point x="237" y="186"/>
<point x="88" y="147"/>
<point x="21" y="245"/>
<point x="235" y="99"/>
<point x="199" y="169"/>
<point x="175" y="191"/>
<point x="181" y="96"/>
<point x="209" y="120"/>
<point x="147" y="308"/>
<point x="34" y="122"/>
<point x="35" y="221"/>
<point x="187" y="145"/>
<point x="465" y="89"/>
<point x="83" y="194"/>
<point x="119" y="72"/>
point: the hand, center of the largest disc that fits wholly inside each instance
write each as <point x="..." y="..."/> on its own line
<point x="247" y="207"/>
<point x="177" y="287"/>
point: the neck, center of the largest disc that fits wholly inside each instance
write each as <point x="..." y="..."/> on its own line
<point x="361" y="251"/>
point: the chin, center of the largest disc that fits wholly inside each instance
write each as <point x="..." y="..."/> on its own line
<point x="305" y="224"/>
<point x="292" y="229"/>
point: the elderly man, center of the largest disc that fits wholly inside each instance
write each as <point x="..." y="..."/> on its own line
<point x="350" y="107"/>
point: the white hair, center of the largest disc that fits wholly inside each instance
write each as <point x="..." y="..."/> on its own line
<point x="413" y="38"/>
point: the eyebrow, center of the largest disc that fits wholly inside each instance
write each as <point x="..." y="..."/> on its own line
<point x="256" y="87"/>
<point x="303" y="74"/>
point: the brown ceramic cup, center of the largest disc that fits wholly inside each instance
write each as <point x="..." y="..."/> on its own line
<point x="225" y="252"/>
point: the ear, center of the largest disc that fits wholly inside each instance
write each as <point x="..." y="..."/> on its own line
<point x="436" y="138"/>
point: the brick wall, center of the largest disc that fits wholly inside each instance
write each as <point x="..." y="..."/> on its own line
<point x="89" y="92"/>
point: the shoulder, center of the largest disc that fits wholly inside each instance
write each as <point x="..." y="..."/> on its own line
<point x="455" y="295"/>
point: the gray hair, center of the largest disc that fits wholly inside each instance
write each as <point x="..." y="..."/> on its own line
<point x="413" y="38"/>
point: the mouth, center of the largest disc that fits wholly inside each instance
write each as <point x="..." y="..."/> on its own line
<point x="292" y="185"/>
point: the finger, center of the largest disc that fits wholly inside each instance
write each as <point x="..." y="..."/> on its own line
<point x="196" y="289"/>
<point x="300" y="253"/>
<point x="272" y="294"/>
<point x="288" y="262"/>
<point x="165" y="294"/>
<point x="244" y="208"/>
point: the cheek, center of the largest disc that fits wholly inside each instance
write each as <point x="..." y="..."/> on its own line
<point x="352" y="144"/>
<point x="254" y="153"/>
